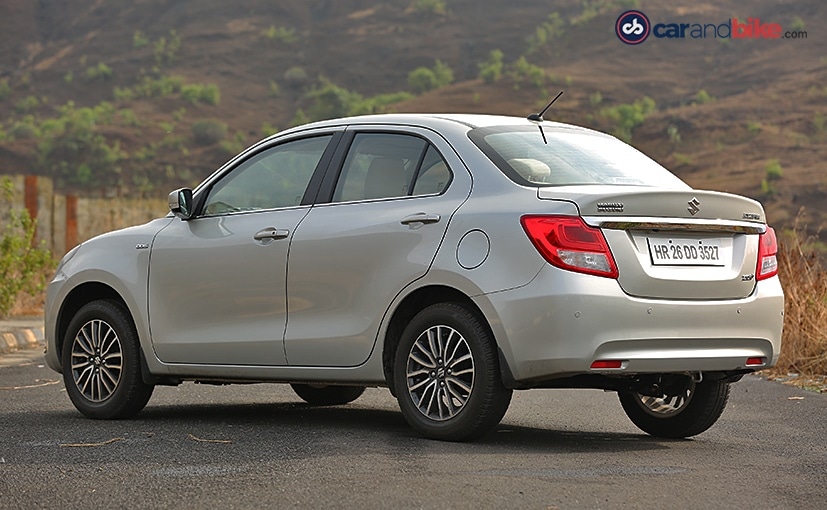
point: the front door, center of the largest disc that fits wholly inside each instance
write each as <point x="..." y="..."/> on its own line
<point x="217" y="281"/>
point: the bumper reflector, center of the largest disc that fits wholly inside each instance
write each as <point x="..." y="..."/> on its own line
<point x="756" y="362"/>
<point x="602" y="364"/>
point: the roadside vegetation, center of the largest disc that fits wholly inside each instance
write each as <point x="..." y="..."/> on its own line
<point x="24" y="266"/>
<point x="803" y="272"/>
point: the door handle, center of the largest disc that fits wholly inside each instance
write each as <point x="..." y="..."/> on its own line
<point x="420" y="218"/>
<point x="271" y="233"/>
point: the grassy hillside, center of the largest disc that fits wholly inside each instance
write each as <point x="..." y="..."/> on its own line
<point x="144" y="96"/>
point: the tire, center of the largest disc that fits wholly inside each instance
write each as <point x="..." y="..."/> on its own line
<point x="678" y="416"/>
<point x="101" y="363"/>
<point x="446" y="351"/>
<point x="327" y="395"/>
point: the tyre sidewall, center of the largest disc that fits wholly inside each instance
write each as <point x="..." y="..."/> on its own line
<point x="131" y="394"/>
<point x="467" y="423"/>
<point x="701" y="412"/>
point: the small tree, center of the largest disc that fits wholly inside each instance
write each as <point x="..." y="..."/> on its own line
<point x="491" y="69"/>
<point x="423" y="79"/>
<point x="23" y="264"/>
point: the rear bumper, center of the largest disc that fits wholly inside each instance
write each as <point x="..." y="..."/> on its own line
<point x="561" y="322"/>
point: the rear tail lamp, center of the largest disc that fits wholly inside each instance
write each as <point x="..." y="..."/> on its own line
<point x="568" y="243"/>
<point x="767" y="255"/>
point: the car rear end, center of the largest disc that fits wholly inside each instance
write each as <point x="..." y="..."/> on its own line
<point x="643" y="275"/>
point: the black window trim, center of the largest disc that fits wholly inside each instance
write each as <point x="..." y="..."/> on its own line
<point x="313" y="185"/>
<point x="334" y="171"/>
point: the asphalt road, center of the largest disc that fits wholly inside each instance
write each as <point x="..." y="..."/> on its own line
<point x="258" y="446"/>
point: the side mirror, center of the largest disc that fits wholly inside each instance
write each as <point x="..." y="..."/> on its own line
<point x="180" y="203"/>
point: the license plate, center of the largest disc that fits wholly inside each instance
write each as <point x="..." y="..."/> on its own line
<point x="686" y="252"/>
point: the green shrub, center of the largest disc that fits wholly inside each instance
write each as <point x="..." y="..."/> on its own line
<point x="774" y="170"/>
<point x="754" y="127"/>
<point x="280" y="34"/>
<point x="27" y="104"/>
<point x="546" y="32"/>
<point x="128" y="117"/>
<point x="234" y="145"/>
<point x="165" y="49"/>
<point x="268" y="129"/>
<point x="703" y="97"/>
<point x="275" y="90"/>
<point x="100" y="72"/>
<point x="139" y="40"/>
<point x="162" y="86"/>
<point x="197" y="93"/>
<point x="74" y="137"/>
<point x="23" y="264"/>
<point x="330" y="100"/>
<point x="626" y="117"/>
<point x="24" y="131"/>
<point x="674" y="134"/>
<point x="522" y="71"/>
<point x="491" y="69"/>
<point x="299" y="118"/>
<point x="295" y="76"/>
<point x="5" y="89"/>
<point x="767" y="188"/>
<point x="377" y="104"/>
<point x="797" y="25"/>
<point x="208" y="132"/>
<point x="423" y="79"/>
<point x="819" y="121"/>
<point x="430" y="6"/>
<point x="682" y="159"/>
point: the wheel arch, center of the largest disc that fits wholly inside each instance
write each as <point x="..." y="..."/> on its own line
<point x="412" y="304"/>
<point x="80" y="296"/>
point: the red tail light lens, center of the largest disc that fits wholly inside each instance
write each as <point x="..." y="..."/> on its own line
<point x="568" y="243"/>
<point x="767" y="255"/>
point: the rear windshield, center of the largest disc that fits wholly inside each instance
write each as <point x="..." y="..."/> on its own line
<point x="571" y="157"/>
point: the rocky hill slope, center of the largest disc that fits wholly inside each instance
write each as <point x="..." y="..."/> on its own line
<point x="143" y="96"/>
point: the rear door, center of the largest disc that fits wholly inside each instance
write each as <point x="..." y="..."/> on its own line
<point x="388" y="210"/>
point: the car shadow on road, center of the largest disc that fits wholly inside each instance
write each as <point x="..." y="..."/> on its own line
<point x="389" y="427"/>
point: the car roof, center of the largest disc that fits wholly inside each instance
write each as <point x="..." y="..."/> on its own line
<point x="431" y="120"/>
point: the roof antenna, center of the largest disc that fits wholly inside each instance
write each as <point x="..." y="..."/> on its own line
<point x="537" y="118"/>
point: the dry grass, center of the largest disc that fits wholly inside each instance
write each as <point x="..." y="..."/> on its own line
<point x="803" y="275"/>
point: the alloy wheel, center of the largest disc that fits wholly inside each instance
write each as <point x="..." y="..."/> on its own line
<point x="667" y="405"/>
<point x="97" y="360"/>
<point x="440" y="373"/>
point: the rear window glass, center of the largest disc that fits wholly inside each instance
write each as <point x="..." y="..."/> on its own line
<point x="571" y="157"/>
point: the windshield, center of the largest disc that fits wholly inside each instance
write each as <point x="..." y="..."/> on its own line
<point x="571" y="157"/>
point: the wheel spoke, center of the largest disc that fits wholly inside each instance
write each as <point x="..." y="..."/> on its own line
<point x="460" y="383"/>
<point x="426" y="364"/>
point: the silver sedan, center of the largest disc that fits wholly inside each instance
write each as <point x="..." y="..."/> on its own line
<point x="450" y="258"/>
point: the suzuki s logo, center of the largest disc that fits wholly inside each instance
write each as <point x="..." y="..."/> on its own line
<point x="694" y="206"/>
<point x="632" y="27"/>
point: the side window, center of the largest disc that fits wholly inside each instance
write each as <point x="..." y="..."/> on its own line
<point x="276" y="177"/>
<point x="434" y="175"/>
<point x="385" y="165"/>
